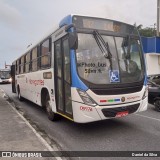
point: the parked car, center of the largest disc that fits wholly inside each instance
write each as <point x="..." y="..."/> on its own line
<point x="154" y="91"/>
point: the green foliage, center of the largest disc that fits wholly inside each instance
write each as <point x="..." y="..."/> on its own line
<point x="147" y="32"/>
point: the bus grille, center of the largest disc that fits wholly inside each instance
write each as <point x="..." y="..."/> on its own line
<point x="112" y="112"/>
<point x="117" y="91"/>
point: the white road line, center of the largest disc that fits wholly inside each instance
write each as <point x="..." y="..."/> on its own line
<point x="148" y="117"/>
<point x="37" y="134"/>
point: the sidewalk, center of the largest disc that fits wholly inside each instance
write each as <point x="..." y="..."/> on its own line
<point x="15" y="133"/>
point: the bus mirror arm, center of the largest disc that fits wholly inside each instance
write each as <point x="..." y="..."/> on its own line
<point x="69" y="27"/>
<point x="73" y="40"/>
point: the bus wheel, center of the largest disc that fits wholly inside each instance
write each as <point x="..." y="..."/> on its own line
<point x="19" y="95"/>
<point x="51" y="115"/>
<point x="157" y="104"/>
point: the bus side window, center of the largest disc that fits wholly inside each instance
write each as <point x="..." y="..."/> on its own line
<point x="19" y="66"/>
<point x="34" y="59"/>
<point x="30" y="64"/>
<point x="38" y="58"/>
<point x="22" y="64"/>
<point x="66" y="61"/>
<point x="24" y="69"/>
<point x="16" y="67"/>
<point x="27" y="62"/>
<point x="45" y="54"/>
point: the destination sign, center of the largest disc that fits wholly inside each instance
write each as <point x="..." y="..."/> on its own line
<point x="102" y="24"/>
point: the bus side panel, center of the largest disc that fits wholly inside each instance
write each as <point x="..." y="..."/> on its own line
<point x="31" y="85"/>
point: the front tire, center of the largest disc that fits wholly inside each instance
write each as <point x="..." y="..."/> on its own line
<point x="157" y="104"/>
<point x="51" y="115"/>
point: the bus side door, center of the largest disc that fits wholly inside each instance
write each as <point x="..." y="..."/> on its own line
<point x="13" y="72"/>
<point x="63" y="77"/>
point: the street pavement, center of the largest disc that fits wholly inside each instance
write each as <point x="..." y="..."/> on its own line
<point x="16" y="134"/>
<point x="136" y="132"/>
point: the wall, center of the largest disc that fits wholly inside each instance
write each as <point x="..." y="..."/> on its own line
<point x="151" y="49"/>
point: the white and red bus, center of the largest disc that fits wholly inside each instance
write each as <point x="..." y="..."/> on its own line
<point x="88" y="69"/>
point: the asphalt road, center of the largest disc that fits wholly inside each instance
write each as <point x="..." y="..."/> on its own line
<point x="136" y="132"/>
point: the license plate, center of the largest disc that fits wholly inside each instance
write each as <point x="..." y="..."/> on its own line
<point x="122" y="114"/>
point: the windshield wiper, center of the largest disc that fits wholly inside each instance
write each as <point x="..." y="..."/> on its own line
<point x="104" y="46"/>
<point x="126" y="43"/>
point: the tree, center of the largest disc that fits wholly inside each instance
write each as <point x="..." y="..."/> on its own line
<point x="147" y="32"/>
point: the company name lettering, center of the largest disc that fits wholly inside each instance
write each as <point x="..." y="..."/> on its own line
<point x="135" y="97"/>
<point x="36" y="82"/>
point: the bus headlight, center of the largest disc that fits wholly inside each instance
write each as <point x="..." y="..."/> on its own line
<point x="10" y="80"/>
<point x="86" y="98"/>
<point x="145" y="93"/>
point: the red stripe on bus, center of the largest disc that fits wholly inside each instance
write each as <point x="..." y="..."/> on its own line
<point x="103" y="100"/>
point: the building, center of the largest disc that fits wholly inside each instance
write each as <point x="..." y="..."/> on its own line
<point x="151" y="48"/>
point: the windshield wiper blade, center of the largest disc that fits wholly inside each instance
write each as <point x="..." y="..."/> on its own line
<point x="126" y="43"/>
<point x="125" y="58"/>
<point x="104" y="46"/>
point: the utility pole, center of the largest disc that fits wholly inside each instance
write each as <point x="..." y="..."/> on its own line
<point x="158" y="16"/>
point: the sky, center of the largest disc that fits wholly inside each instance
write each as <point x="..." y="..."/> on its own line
<point x="24" y="21"/>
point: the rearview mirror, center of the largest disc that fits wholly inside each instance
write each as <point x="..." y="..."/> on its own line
<point x="73" y="40"/>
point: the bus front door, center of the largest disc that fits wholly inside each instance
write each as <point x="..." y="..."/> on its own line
<point x="13" y="71"/>
<point x="63" y="77"/>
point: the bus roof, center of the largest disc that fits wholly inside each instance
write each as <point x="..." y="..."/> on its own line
<point x="65" y="21"/>
<point x="68" y="20"/>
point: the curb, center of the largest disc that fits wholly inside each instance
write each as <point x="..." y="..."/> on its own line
<point x="48" y="142"/>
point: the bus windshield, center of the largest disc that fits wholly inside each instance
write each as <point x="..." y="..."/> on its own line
<point x="4" y="74"/>
<point x="124" y="65"/>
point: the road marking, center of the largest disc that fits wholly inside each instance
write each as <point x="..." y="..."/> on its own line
<point x="37" y="134"/>
<point x="148" y="117"/>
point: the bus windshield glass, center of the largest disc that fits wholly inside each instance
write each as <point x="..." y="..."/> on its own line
<point x="119" y="61"/>
<point x="4" y="74"/>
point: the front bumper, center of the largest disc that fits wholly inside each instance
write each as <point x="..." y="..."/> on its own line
<point x="4" y="81"/>
<point x="84" y="114"/>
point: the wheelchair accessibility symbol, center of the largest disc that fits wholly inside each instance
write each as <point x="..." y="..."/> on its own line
<point x="114" y="76"/>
